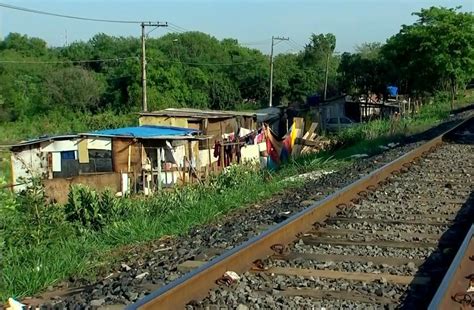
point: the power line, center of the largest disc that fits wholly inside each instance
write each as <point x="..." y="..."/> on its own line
<point x="66" y="61"/>
<point x="293" y="46"/>
<point x="261" y="42"/>
<point x="297" y="44"/>
<point x="178" y="27"/>
<point x="206" y="64"/>
<point x="13" y="7"/>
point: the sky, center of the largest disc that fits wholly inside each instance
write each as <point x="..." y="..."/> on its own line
<point x="253" y="23"/>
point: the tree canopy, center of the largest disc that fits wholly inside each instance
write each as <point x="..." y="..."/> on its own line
<point x="434" y="53"/>
<point x="194" y="69"/>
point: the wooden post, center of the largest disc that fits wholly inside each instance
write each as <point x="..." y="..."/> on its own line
<point x="222" y="148"/>
<point x="409" y="106"/>
<point x="129" y="156"/>
<point x="183" y="170"/>
<point x="190" y="154"/>
<point x="299" y="127"/>
<point x="238" y="158"/>
<point x="209" y="164"/>
<point x="158" y="160"/>
<point x="152" y="179"/>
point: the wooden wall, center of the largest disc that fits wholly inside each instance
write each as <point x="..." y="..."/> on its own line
<point x="120" y="153"/>
<point x="58" y="189"/>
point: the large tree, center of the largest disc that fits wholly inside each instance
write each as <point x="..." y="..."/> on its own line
<point x="435" y="52"/>
<point x="74" y="88"/>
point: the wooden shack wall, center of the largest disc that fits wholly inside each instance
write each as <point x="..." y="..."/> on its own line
<point x="58" y="189"/>
<point x="120" y="155"/>
<point x="163" y="121"/>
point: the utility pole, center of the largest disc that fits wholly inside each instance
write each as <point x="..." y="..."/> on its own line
<point x="327" y="73"/>
<point x="146" y="24"/>
<point x="270" y="101"/>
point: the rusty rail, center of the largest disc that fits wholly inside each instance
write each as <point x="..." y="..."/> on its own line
<point x="456" y="291"/>
<point x="196" y="284"/>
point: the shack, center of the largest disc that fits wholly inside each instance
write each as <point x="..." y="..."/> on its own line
<point x="126" y="160"/>
<point x="210" y="122"/>
<point x="234" y="136"/>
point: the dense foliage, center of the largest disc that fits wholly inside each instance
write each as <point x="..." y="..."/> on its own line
<point x="193" y="69"/>
<point x="435" y="53"/>
<point x="184" y="70"/>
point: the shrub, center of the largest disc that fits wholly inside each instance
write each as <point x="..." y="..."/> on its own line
<point x="89" y="209"/>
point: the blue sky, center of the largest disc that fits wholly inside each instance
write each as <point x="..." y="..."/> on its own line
<point x="352" y="21"/>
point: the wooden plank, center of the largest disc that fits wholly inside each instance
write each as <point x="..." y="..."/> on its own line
<point x="306" y="142"/>
<point x="308" y="148"/>
<point x="392" y="261"/>
<point x="381" y="221"/>
<point x="333" y="295"/>
<point x="311" y="131"/>
<point x="299" y="127"/>
<point x="344" y="231"/>
<point x="309" y="240"/>
<point x="351" y="276"/>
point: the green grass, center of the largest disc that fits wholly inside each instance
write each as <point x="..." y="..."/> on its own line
<point x="28" y="267"/>
<point x="42" y="248"/>
<point x="5" y="169"/>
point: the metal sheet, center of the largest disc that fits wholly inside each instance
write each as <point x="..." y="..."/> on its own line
<point x="59" y="146"/>
<point x="56" y="161"/>
<point x="99" y="144"/>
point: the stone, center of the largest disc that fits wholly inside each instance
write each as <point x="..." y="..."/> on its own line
<point x="142" y="275"/>
<point x="307" y="203"/>
<point x="132" y="296"/>
<point x="97" y="302"/>
<point x="125" y="267"/>
<point x="242" y="307"/>
<point x="379" y="292"/>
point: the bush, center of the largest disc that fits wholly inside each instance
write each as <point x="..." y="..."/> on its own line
<point x="90" y="209"/>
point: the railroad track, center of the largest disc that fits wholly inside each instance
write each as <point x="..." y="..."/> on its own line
<point x="385" y="240"/>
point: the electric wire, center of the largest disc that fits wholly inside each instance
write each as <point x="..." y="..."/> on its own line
<point x="203" y="63"/>
<point x="178" y="27"/>
<point x="297" y="44"/>
<point x="117" y="21"/>
<point x="66" y="61"/>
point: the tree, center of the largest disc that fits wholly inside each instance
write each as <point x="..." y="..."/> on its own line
<point x="369" y="50"/>
<point x="318" y="54"/>
<point x="74" y="88"/>
<point x="361" y="73"/>
<point x="435" y="52"/>
<point x="25" y="45"/>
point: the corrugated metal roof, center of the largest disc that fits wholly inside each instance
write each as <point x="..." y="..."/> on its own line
<point x="39" y="140"/>
<point x="195" y="113"/>
<point x="145" y="132"/>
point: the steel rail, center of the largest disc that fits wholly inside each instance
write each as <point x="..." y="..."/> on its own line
<point x="453" y="290"/>
<point x="196" y="284"/>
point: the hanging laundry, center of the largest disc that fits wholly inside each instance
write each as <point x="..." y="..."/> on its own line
<point x="244" y="131"/>
<point x="278" y="149"/>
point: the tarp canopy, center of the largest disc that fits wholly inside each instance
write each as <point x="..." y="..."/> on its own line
<point x="146" y="132"/>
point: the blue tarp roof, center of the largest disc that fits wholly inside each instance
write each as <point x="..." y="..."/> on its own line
<point x="146" y="131"/>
